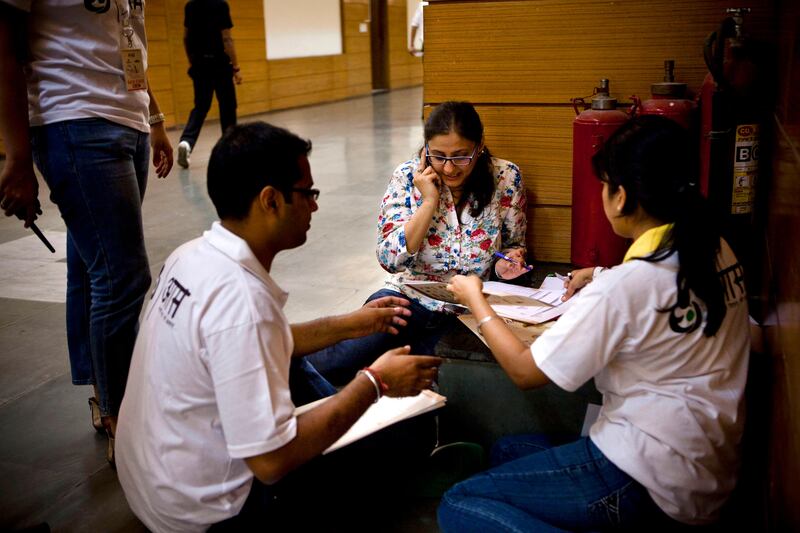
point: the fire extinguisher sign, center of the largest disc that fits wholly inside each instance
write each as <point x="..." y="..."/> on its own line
<point x="745" y="169"/>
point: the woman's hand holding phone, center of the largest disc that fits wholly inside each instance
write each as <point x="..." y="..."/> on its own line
<point x="428" y="182"/>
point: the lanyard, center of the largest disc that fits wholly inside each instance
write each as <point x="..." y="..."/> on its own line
<point x="132" y="56"/>
<point x="125" y="16"/>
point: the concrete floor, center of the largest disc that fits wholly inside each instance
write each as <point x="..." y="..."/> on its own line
<point x="52" y="463"/>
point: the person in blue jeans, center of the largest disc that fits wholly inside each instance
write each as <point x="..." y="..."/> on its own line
<point x="89" y="123"/>
<point x="665" y="336"/>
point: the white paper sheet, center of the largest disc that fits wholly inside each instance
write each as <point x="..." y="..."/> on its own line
<point x="385" y="412"/>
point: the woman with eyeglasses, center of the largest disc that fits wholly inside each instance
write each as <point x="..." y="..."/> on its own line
<point x="446" y="211"/>
<point x="665" y="336"/>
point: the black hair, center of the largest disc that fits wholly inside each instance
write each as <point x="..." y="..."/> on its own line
<point x="461" y="118"/>
<point x="248" y="158"/>
<point x="654" y="159"/>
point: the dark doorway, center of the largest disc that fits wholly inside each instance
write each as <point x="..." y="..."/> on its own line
<point x="379" y="44"/>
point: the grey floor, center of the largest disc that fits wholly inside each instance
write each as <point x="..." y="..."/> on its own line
<point x="52" y="465"/>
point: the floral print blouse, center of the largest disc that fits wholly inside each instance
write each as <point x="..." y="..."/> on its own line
<point x="450" y="247"/>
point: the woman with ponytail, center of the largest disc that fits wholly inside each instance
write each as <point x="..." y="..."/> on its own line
<point x="446" y="211"/>
<point x="665" y="336"/>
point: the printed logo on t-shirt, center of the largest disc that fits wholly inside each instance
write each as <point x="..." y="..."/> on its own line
<point x="687" y="314"/>
<point x="97" y="6"/>
<point x="732" y="279"/>
<point x="170" y="298"/>
<point x="685" y="319"/>
<point x="102" y="6"/>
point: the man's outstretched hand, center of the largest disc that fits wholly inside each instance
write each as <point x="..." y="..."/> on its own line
<point x="406" y="375"/>
<point x="382" y="315"/>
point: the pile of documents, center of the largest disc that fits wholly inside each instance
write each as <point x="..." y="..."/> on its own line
<point x="524" y="304"/>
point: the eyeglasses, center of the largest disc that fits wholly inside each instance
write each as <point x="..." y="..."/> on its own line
<point x="440" y="160"/>
<point x="308" y="193"/>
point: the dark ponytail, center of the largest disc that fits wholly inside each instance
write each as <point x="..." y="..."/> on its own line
<point x="654" y="160"/>
<point x="461" y="118"/>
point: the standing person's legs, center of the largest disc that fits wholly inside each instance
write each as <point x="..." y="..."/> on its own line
<point x="565" y="488"/>
<point x="203" y="83"/>
<point x="226" y="97"/>
<point x="97" y="174"/>
<point x="79" y="305"/>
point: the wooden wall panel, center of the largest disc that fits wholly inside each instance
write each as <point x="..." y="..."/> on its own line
<point x="548" y="51"/>
<point x="159" y="58"/>
<point x="539" y="140"/>
<point x="782" y="262"/>
<point x="548" y="233"/>
<point x="784" y="259"/>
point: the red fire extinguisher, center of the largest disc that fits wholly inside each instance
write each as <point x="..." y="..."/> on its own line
<point x="731" y="117"/>
<point x="669" y="100"/>
<point x="594" y="243"/>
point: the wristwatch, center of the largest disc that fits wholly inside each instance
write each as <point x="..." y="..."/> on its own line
<point x="156" y="118"/>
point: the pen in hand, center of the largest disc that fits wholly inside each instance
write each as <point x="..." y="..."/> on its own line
<point x="504" y="256"/>
<point x="42" y="238"/>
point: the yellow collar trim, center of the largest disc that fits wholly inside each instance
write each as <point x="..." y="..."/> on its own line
<point x="647" y="243"/>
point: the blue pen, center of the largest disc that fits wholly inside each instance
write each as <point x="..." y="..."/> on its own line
<point x="504" y="256"/>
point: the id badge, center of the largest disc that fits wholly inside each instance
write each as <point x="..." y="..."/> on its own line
<point x="133" y="66"/>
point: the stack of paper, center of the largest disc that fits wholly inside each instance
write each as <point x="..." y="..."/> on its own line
<point x="526" y="304"/>
<point x="385" y="412"/>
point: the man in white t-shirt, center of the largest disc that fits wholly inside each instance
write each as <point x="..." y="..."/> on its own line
<point x="209" y="404"/>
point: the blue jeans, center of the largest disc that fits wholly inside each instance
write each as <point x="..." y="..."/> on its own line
<point x="536" y="487"/>
<point x="339" y="363"/>
<point x="97" y="173"/>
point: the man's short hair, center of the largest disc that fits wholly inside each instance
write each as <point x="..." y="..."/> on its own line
<point x="248" y="158"/>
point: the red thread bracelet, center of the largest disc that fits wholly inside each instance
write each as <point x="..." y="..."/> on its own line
<point x="384" y="386"/>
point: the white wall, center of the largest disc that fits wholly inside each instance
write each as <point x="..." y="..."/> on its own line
<point x="302" y="28"/>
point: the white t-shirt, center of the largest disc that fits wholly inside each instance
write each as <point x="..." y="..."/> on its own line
<point x="75" y="69"/>
<point x="672" y="414"/>
<point x="417" y="22"/>
<point x="208" y="386"/>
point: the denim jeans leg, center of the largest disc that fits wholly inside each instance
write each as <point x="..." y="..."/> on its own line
<point x="79" y="304"/>
<point x="512" y="447"/>
<point x="97" y="174"/>
<point x="306" y="384"/>
<point x="569" y="487"/>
